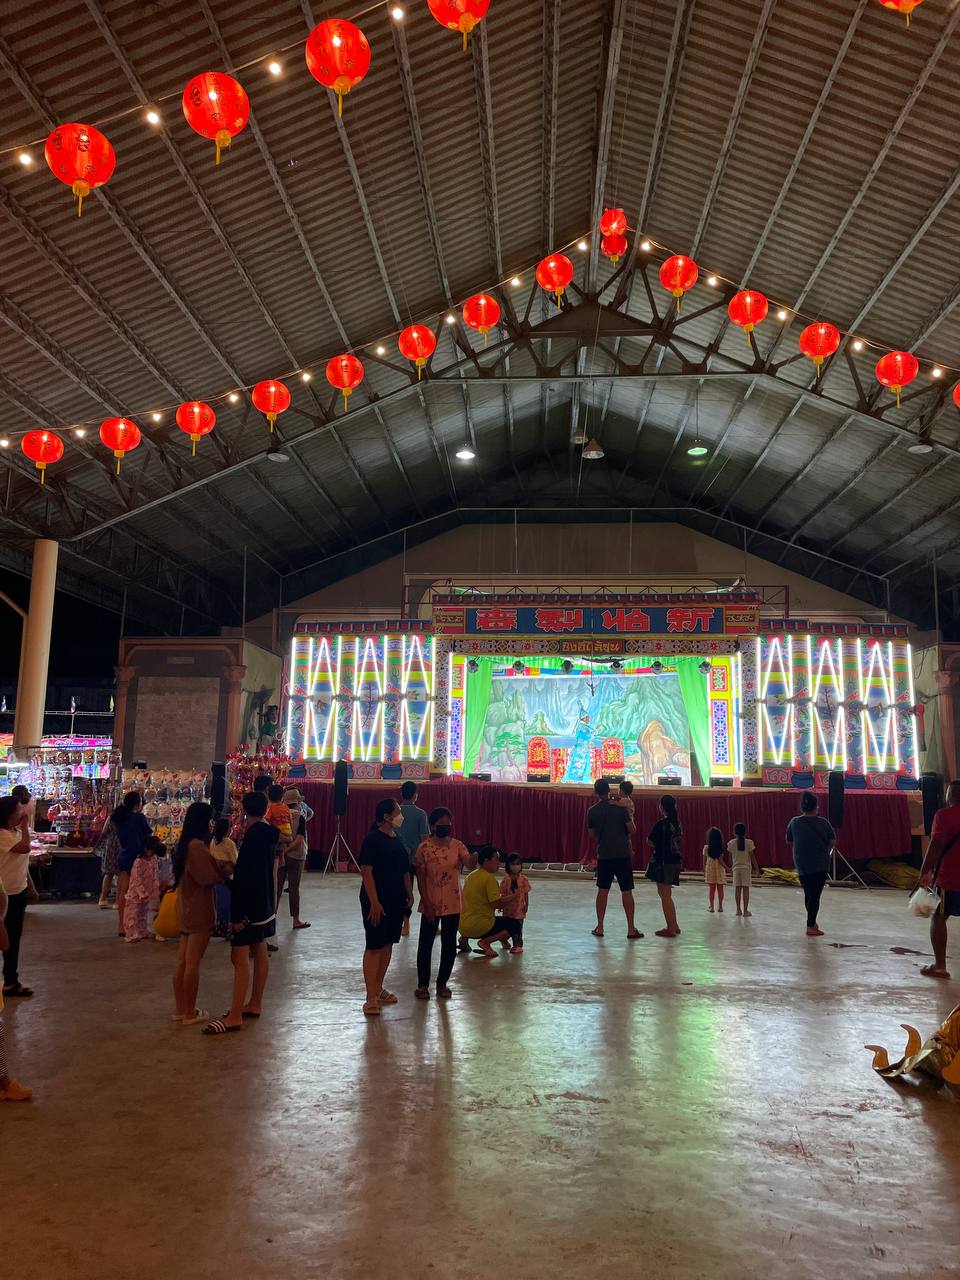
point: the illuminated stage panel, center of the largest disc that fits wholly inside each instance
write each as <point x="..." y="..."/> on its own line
<point x="367" y="699"/>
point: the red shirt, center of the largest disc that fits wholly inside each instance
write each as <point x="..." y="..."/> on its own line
<point x="946" y="828"/>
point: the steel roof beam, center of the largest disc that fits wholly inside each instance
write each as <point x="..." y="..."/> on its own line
<point x="608" y="98"/>
<point x="921" y="478"/>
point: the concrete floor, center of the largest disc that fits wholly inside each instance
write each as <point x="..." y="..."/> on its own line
<point x="695" y="1108"/>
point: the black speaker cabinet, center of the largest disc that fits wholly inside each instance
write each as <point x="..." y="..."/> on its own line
<point x="835" y="799"/>
<point x="931" y="792"/>
<point x="340" y="788"/>
<point x="218" y="786"/>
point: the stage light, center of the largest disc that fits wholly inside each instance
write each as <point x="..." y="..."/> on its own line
<point x="305" y="376"/>
<point x="936" y="372"/>
<point x="519" y="666"/>
<point x="4" y="443"/>
<point x="656" y="667"/>
<point x="451" y="318"/>
<point x="473" y="666"/>
<point x="79" y="432"/>
<point x="704" y="668"/>
<point x="566" y="666"/>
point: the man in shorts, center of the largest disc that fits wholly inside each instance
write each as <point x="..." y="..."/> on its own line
<point x="611" y="825"/>
<point x="941" y="868"/>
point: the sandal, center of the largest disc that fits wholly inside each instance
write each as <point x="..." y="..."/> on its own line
<point x="191" y="1019"/>
<point x="444" y="993"/>
<point x="636" y="934"/>
<point x="371" y="1010"/>
<point x="218" y="1028"/>
<point x="422" y="993"/>
<point x="304" y="924"/>
<point x="931" y="971"/>
<point x="387" y="997"/>
<point x="597" y="933"/>
<point x="249" y="1013"/>
<point x="666" y="933"/>
<point x="18" y="990"/>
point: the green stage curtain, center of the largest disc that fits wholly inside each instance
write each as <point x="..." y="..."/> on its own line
<point x="696" y="703"/>
<point x="478" y="700"/>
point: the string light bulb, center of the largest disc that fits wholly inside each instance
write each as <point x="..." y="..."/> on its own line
<point x="712" y="281"/>
<point x="781" y="314"/>
<point x="381" y="351"/>
<point x="645" y="246"/>
<point x="157" y="417"/>
<point x="857" y="345"/>
<point x="936" y="372"/>
<point x="396" y="13"/>
<point x="152" y="117"/>
<point x="515" y="282"/>
<point x="79" y="432"/>
<point x="25" y="158"/>
<point x="582" y="246"/>
<point x="274" y="68"/>
<point x="4" y="443"/>
<point x="233" y="397"/>
<point x="305" y="376"/>
<point x="451" y="318"/>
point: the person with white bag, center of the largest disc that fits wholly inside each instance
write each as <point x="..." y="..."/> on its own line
<point x="941" y="871"/>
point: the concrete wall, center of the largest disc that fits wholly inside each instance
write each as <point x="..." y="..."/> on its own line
<point x="576" y="551"/>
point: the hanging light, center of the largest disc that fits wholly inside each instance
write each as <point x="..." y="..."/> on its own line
<point x="345" y="373"/>
<point x="271" y="398"/>
<point x="417" y="343"/>
<point x="747" y="308"/>
<point x="42" y="447"/>
<point x="338" y="56"/>
<point x="481" y="312"/>
<point x="593" y="451"/>
<point x="465" y="453"/>
<point x="80" y="156"/>
<point x="906" y="7"/>
<point x="195" y="419"/>
<point x="679" y="274"/>
<point x="818" y="341"/>
<point x="554" y="273"/>
<point x="698" y="449"/>
<point x="896" y="370"/>
<point x="216" y="106"/>
<point x="121" y="435"/>
<point x="459" y="15"/>
<point x="613" y="222"/>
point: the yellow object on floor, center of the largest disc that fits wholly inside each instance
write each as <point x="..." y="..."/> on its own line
<point x="786" y="874"/>
<point x="897" y="874"/>
<point x="938" y="1057"/>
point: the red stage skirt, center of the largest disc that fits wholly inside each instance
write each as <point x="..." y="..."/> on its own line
<point x="550" y="823"/>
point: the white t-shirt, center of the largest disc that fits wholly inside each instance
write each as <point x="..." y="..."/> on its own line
<point x="741" y="857"/>
<point x="224" y="850"/>
<point x="14" y="867"/>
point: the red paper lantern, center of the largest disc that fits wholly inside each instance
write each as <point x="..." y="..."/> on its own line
<point x="42" y="448"/>
<point x="459" y="15"/>
<point x="80" y="156"/>
<point x="554" y="274"/>
<point x="906" y="7"/>
<point x="819" y="340"/>
<point x="271" y="398"/>
<point x="614" y="247"/>
<point x="338" y="55"/>
<point x="747" y="308"/>
<point x="678" y="274"/>
<point x="196" y="419"/>
<point x="216" y="106"/>
<point x="895" y="370"/>
<point x="345" y="373"/>
<point x="613" y="222"/>
<point x="481" y="312"/>
<point x="417" y="342"/>
<point x="121" y="435"/>
<point x="956" y="395"/>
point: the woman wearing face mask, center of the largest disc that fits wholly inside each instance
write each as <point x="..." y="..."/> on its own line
<point x="385" y="895"/>
<point x="437" y="864"/>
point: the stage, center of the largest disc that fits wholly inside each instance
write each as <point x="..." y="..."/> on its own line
<point x="549" y="823"/>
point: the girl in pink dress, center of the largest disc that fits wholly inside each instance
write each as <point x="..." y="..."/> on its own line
<point x="143" y="890"/>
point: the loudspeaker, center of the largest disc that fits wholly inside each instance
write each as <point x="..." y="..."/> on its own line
<point x="721" y="782"/>
<point x="835" y="799"/>
<point x="340" y="788"/>
<point x="931" y="791"/>
<point x="668" y="780"/>
<point x="218" y="786"/>
<point x="479" y="777"/>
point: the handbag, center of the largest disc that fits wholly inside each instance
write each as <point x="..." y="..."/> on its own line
<point x="166" y="923"/>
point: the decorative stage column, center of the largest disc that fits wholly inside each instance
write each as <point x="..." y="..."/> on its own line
<point x="35" y="656"/>
<point x="124" y="676"/>
<point x="233" y="679"/>
<point x="947" y="685"/>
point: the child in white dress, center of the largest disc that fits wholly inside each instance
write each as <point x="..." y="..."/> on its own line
<point x="744" y="864"/>
<point x="714" y="868"/>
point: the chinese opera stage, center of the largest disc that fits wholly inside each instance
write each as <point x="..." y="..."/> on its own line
<point x="549" y="823"/>
<point x="543" y="694"/>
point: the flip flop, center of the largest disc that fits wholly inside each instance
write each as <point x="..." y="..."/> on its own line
<point x="371" y="1010"/>
<point x="633" y="936"/>
<point x="191" y="1019"/>
<point x="931" y="971"/>
<point x="249" y="1013"/>
<point x="387" y="997"/>
<point x="303" y="925"/>
<point x="218" y="1028"/>
<point x="597" y="933"/>
<point x="18" y="991"/>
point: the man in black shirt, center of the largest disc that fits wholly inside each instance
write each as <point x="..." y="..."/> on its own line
<point x="611" y="826"/>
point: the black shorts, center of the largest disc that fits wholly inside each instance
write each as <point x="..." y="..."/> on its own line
<point x="949" y="902"/>
<point x="252" y="934"/>
<point x="386" y="933"/>
<point x="620" y="869"/>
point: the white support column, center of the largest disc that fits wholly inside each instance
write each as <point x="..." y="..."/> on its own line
<point x="35" y="651"/>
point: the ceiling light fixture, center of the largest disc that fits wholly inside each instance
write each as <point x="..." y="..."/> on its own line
<point x="277" y="454"/>
<point x="921" y="446"/>
<point x="593" y="451"/>
<point x="152" y="117"/>
<point x="465" y="453"/>
<point x="274" y="68"/>
<point x="25" y="158"/>
<point x="698" y="449"/>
